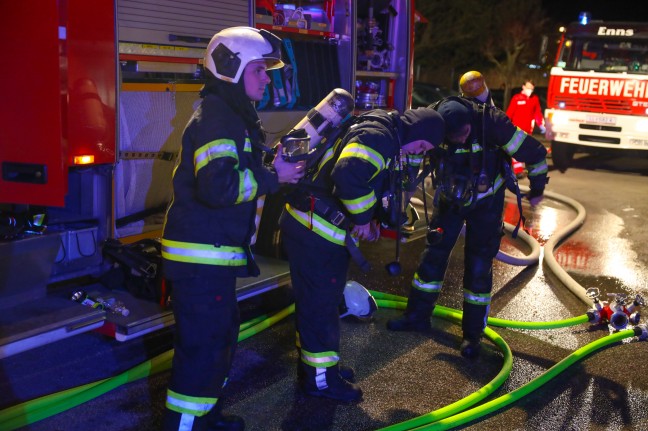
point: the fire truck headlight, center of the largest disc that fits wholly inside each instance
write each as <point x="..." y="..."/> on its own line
<point x="561" y="105"/>
<point x="642" y="126"/>
<point x="559" y="118"/>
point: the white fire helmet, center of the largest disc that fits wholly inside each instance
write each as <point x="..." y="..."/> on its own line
<point x="357" y="301"/>
<point x="231" y="49"/>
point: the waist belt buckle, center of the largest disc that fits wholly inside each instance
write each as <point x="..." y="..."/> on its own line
<point x="337" y="218"/>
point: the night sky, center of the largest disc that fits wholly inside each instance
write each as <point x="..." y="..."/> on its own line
<point x="566" y="11"/>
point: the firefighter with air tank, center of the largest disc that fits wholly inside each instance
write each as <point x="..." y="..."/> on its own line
<point x="472" y="171"/>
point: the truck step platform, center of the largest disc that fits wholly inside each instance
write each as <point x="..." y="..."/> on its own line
<point x="52" y="318"/>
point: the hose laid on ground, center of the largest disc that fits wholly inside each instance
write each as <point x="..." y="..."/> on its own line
<point x="557" y="237"/>
<point x="35" y="410"/>
<point x="396" y="302"/>
<point x="441" y="420"/>
<point x="530" y="259"/>
<point x="501" y="402"/>
<point x="41" y="408"/>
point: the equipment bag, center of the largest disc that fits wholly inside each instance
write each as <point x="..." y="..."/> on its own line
<point x="137" y="269"/>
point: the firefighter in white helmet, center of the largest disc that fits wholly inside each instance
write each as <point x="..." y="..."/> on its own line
<point x="210" y="223"/>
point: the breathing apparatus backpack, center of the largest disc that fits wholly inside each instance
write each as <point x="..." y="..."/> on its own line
<point x="327" y="125"/>
<point x="461" y="187"/>
<point x="319" y="129"/>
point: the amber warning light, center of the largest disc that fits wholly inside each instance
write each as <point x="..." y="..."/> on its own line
<point x="83" y="160"/>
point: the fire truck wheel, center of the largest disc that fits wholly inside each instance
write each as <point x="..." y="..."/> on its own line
<point x="562" y="155"/>
<point x="269" y="236"/>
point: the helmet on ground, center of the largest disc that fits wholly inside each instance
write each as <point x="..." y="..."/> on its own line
<point x="357" y="301"/>
<point x="231" y="49"/>
<point x="472" y="84"/>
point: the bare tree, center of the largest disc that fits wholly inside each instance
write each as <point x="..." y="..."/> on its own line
<point x="516" y="32"/>
<point x="497" y="37"/>
<point x="450" y="40"/>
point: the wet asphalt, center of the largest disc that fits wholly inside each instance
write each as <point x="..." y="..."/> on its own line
<point x="407" y="375"/>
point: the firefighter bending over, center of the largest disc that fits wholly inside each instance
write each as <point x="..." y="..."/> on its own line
<point x="210" y="223"/>
<point x="471" y="176"/>
<point x="334" y="206"/>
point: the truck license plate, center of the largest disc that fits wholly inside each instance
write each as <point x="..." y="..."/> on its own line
<point x="599" y="119"/>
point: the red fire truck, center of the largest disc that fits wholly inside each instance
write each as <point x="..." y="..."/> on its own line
<point x="96" y="96"/>
<point x="598" y="90"/>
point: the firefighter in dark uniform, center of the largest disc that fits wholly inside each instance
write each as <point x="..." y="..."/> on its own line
<point x="471" y="176"/>
<point x="210" y="222"/>
<point x="333" y="207"/>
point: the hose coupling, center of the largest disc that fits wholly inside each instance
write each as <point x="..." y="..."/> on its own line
<point x="594" y="316"/>
<point x="641" y="331"/>
<point x="619" y="320"/>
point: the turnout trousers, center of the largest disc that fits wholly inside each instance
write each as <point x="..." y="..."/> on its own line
<point x="484" y="230"/>
<point x="318" y="269"/>
<point x="207" y="324"/>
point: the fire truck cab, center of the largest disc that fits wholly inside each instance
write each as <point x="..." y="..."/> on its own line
<point x="96" y="101"/>
<point x="597" y="97"/>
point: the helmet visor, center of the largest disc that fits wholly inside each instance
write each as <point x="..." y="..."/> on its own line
<point x="273" y="58"/>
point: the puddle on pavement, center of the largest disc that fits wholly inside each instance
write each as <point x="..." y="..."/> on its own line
<point x="599" y="254"/>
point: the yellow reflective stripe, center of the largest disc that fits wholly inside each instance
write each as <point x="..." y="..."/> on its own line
<point x="476" y="147"/>
<point x="190" y="252"/>
<point x="514" y="143"/>
<point x="247" y="145"/>
<point x="537" y="169"/>
<point x="365" y="153"/>
<point x="247" y="186"/>
<point x="499" y="181"/>
<point x="361" y="204"/>
<point x="196" y="406"/>
<point x="328" y="155"/>
<point x="320" y="226"/>
<point x="322" y="359"/>
<point x="477" y="298"/>
<point x="213" y="150"/>
<point x="415" y="159"/>
<point x="426" y="286"/>
<point x="257" y="218"/>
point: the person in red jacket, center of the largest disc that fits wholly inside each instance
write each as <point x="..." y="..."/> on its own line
<point x="524" y="109"/>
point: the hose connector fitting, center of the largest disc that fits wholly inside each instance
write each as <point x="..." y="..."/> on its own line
<point x="594" y="316"/>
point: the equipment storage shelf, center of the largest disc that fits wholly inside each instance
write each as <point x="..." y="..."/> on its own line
<point x="381" y="69"/>
<point x="317" y="51"/>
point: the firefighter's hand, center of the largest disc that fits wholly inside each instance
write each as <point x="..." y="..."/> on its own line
<point x="288" y="173"/>
<point x="548" y="134"/>
<point x="367" y="232"/>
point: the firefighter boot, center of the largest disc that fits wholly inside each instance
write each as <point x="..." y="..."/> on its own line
<point x="215" y="420"/>
<point x="417" y="313"/>
<point x="470" y="347"/>
<point x="347" y="373"/>
<point x="327" y="383"/>
<point x="472" y="325"/>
